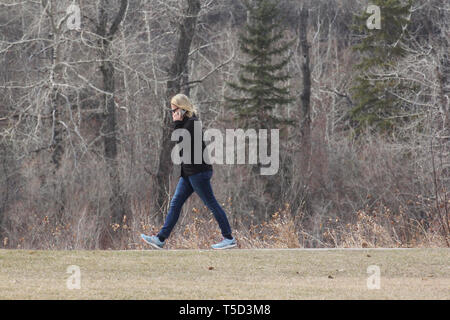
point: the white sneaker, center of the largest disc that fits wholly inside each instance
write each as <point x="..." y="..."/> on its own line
<point x="225" y="244"/>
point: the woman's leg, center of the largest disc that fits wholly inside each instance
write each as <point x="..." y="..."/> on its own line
<point x="202" y="186"/>
<point x="182" y="192"/>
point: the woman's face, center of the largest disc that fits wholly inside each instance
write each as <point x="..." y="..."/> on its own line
<point x="176" y="113"/>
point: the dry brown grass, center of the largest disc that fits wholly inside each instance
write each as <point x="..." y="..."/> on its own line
<point x="377" y="228"/>
<point x="197" y="229"/>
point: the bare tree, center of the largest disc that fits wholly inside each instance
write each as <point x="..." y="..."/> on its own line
<point x="305" y="97"/>
<point x="177" y="74"/>
<point x="302" y="171"/>
<point x="85" y="145"/>
<point x="118" y="201"/>
<point x="57" y="103"/>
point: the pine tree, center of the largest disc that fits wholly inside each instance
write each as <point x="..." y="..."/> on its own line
<point x="258" y="89"/>
<point x="377" y="89"/>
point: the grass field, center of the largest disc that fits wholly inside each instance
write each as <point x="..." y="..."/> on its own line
<point x="232" y="274"/>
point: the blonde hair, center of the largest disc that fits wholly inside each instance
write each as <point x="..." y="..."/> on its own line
<point x="182" y="101"/>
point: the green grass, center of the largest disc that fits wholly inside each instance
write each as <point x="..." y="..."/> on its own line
<point x="232" y="274"/>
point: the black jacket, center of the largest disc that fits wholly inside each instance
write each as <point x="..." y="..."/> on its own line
<point x="192" y="168"/>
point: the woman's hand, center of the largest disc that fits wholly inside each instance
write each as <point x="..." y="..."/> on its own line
<point x="177" y="116"/>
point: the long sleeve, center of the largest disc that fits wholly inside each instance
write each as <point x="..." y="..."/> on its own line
<point x="178" y="124"/>
<point x="192" y="167"/>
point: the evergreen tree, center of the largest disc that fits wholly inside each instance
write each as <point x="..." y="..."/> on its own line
<point x="378" y="87"/>
<point x="258" y="89"/>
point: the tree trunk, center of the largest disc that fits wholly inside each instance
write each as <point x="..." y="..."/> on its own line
<point x="302" y="174"/>
<point x="109" y="130"/>
<point x="305" y="124"/>
<point x="4" y="183"/>
<point x="177" y="74"/>
<point x="443" y="71"/>
<point x="118" y="202"/>
<point x="57" y="143"/>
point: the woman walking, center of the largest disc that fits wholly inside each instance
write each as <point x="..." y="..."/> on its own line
<point x="195" y="177"/>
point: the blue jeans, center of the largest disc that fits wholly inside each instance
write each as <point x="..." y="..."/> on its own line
<point x="200" y="183"/>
